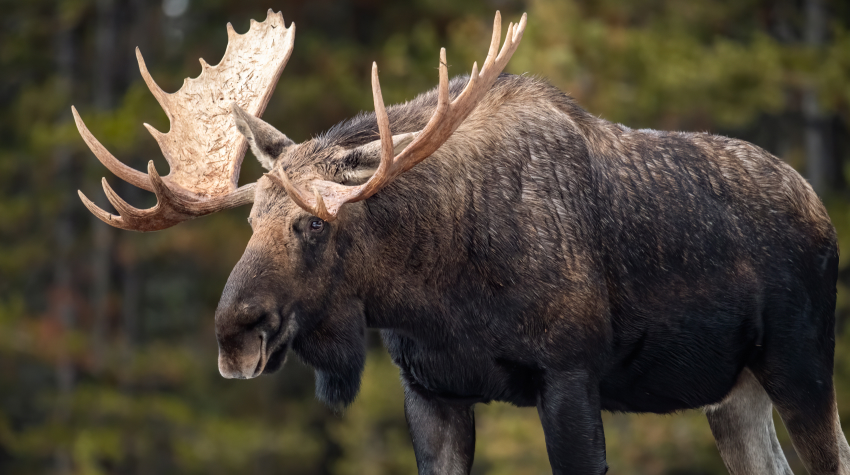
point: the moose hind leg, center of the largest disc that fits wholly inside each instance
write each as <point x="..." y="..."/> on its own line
<point x="811" y="416"/>
<point x="795" y="369"/>
<point x="742" y="425"/>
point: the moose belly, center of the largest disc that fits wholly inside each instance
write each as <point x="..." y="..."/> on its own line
<point x="661" y="358"/>
<point x="464" y="374"/>
<point x="677" y="365"/>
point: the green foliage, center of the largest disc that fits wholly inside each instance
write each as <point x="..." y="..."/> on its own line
<point x="124" y="380"/>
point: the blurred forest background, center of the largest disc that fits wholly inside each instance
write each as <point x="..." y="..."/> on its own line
<point x="107" y="348"/>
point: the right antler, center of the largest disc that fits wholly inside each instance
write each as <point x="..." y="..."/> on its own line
<point x="328" y="197"/>
<point x="203" y="148"/>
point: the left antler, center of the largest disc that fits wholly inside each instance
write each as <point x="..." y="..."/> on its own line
<point x="203" y="148"/>
<point x="327" y="198"/>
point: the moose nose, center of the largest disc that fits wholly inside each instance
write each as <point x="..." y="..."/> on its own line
<point x="244" y="360"/>
<point x="242" y="331"/>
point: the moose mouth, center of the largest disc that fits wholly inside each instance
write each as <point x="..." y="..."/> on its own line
<point x="270" y="361"/>
<point x="273" y="349"/>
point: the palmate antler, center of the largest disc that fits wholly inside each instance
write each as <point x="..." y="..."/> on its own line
<point x="327" y="197"/>
<point x="203" y="148"/>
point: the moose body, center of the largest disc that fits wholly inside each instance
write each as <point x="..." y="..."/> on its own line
<point x="544" y="257"/>
<point x="535" y="255"/>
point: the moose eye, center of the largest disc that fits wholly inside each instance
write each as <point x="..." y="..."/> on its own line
<point x="317" y="225"/>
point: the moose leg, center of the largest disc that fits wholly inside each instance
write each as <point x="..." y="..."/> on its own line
<point x="795" y="369"/>
<point x="743" y="428"/>
<point x="807" y="406"/>
<point x="570" y="412"/>
<point x="443" y="434"/>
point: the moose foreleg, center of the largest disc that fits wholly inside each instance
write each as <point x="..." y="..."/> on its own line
<point x="569" y="408"/>
<point x="443" y="434"/>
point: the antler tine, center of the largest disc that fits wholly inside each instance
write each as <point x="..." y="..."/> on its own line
<point x="494" y="42"/>
<point x="509" y="35"/>
<point x="160" y="95"/>
<point x="386" y="135"/>
<point x="134" y="177"/>
<point x="443" y="86"/>
<point x="280" y="177"/>
<point x="107" y="218"/>
<point x="473" y="76"/>
<point x="512" y="40"/>
<point x="124" y="209"/>
<point x="320" y="209"/>
<point x="165" y="196"/>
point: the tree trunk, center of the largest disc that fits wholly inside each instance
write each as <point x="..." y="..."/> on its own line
<point x="63" y="310"/>
<point x="819" y="166"/>
<point x="104" y="98"/>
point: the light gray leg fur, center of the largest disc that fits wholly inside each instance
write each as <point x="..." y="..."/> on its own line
<point x="843" y="447"/>
<point x="742" y="425"/>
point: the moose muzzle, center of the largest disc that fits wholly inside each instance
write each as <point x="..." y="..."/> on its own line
<point x="249" y="335"/>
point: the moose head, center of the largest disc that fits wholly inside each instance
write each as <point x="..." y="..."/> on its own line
<point x="314" y="247"/>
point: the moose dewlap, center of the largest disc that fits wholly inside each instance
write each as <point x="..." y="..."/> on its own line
<point x="512" y="247"/>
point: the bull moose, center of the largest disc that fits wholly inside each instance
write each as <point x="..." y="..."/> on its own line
<point x="512" y="247"/>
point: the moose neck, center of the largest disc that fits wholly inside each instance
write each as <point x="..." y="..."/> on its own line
<point x="450" y="236"/>
<point x="494" y="207"/>
<point x="416" y="236"/>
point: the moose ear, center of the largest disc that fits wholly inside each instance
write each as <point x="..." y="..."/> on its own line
<point x="266" y="142"/>
<point x="366" y="158"/>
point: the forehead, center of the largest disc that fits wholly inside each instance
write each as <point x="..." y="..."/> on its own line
<point x="315" y="153"/>
<point x="316" y="159"/>
<point x="271" y="199"/>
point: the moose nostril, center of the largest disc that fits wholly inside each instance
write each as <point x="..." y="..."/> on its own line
<point x="269" y="322"/>
<point x="264" y="322"/>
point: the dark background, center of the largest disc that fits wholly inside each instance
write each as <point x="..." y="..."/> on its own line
<point x="107" y="349"/>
